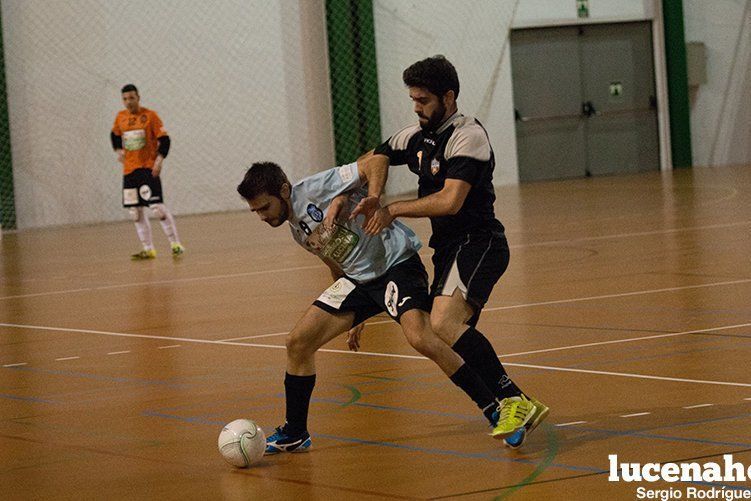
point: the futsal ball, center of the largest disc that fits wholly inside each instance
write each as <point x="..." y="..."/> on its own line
<point x="242" y="443"/>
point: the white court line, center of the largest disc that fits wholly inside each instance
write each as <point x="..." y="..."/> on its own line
<point x="118" y="352"/>
<point x="162" y="282"/>
<point x="66" y="358"/>
<point x="284" y="270"/>
<point x="626" y="374"/>
<point x="636" y="414"/>
<point x="168" y="346"/>
<point x="260" y="335"/>
<point x="572" y="423"/>
<point x="747" y="399"/>
<point x="698" y="406"/>
<point x="559" y="348"/>
<point x="630" y="235"/>
<point x="15" y="365"/>
<point x="364" y="353"/>
<point x="621" y="294"/>
<point x="625" y="340"/>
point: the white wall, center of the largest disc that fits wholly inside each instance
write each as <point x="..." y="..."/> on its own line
<point x="242" y="80"/>
<point x="536" y="13"/>
<point x="234" y="82"/>
<point x="473" y="35"/>
<point x="474" y="38"/>
<point x="721" y="108"/>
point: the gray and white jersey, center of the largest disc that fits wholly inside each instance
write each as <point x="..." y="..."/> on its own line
<point x="361" y="257"/>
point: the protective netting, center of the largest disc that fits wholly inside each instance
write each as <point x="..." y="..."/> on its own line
<point x="234" y="81"/>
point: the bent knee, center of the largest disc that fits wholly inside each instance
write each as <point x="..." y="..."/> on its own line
<point x="159" y="212"/>
<point x="446" y="327"/>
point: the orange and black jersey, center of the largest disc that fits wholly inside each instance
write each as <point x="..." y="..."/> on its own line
<point x="138" y="134"/>
<point x="459" y="149"/>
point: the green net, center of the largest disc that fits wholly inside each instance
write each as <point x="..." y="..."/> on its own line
<point x="7" y="205"/>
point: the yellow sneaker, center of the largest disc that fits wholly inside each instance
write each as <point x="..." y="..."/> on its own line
<point x="517" y="439"/>
<point x="177" y="250"/>
<point x="513" y="414"/>
<point x="144" y="255"/>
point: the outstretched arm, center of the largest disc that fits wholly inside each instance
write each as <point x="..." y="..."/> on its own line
<point x="374" y="170"/>
<point x="446" y="202"/>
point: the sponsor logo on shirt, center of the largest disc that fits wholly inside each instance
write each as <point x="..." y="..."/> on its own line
<point x="134" y="139"/>
<point x="315" y="213"/>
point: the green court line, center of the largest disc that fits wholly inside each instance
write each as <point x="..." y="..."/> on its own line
<point x="552" y="453"/>
<point x="356" y="394"/>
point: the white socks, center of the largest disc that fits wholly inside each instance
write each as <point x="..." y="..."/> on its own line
<point x="167" y="222"/>
<point x="143" y="228"/>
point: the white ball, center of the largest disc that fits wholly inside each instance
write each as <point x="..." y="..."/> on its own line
<point x="242" y="443"/>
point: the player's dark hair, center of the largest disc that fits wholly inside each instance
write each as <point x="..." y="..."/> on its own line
<point x="436" y="74"/>
<point x="129" y="88"/>
<point x="262" y="177"/>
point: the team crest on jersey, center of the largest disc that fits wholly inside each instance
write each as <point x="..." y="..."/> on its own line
<point x="315" y="213"/>
<point x="435" y="166"/>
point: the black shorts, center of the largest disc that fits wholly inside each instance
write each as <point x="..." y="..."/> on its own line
<point x="140" y="188"/>
<point x="404" y="287"/>
<point x="472" y="265"/>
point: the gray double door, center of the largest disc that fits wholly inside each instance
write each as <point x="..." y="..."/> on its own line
<point x="584" y="100"/>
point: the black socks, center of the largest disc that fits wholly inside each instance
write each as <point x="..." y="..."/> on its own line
<point x="479" y="354"/>
<point x="297" y="391"/>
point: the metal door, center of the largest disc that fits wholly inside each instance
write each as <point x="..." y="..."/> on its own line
<point x="618" y="85"/>
<point x="584" y="100"/>
<point x="547" y="100"/>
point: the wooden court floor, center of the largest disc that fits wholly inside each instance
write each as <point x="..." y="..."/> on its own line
<point x="625" y="308"/>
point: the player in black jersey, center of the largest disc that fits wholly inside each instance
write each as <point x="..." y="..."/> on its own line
<point x="454" y="162"/>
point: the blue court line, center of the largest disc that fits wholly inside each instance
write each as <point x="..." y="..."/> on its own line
<point x="397" y="409"/>
<point x="187" y="419"/>
<point x="701" y="421"/>
<point x="443" y="452"/>
<point x="28" y="399"/>
<point x="663" y="437"/>
<point x="635" y="433"/>
<point x="111" y="379"/>
<point x="595" y="364"/>
<point x="632" y="348"/>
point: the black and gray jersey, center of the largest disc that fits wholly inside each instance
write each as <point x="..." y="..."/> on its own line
<point x="459" y="149"/>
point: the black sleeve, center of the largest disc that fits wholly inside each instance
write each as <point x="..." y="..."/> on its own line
<point x="164" y="143"/>
<point x="464" y="168"/>
<point x="396" y="157"/>
<point x="117" y="141"/>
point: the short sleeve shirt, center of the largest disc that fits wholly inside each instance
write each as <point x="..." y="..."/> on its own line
<point x="139" y="133"/>
<point x="459" y="149"/>
<point x="361" y="257"/>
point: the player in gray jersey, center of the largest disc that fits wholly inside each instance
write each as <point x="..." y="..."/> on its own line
<point x="373" y="273"/>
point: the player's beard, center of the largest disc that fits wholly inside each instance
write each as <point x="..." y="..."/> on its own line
<point x="283" y="215"/>
<point x="434" y="120"/>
